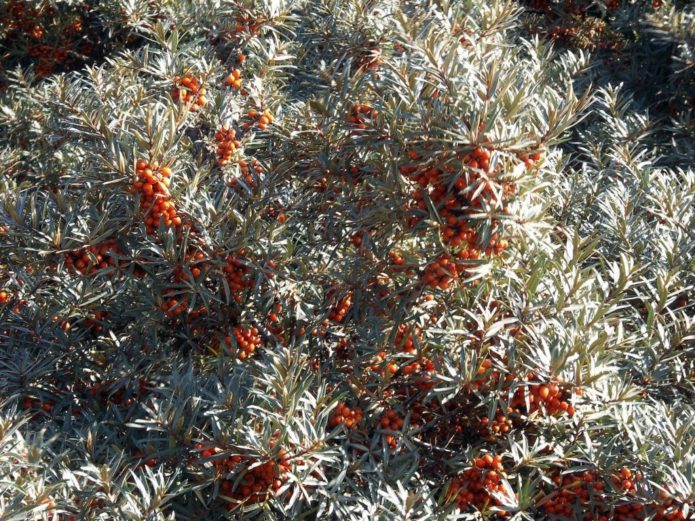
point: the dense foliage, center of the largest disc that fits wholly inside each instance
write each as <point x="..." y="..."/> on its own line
<point x="347" y="259"/>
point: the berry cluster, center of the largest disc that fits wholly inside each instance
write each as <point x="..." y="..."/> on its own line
<point x="146" y="461"/>
<point x="63" y="324"/>
<point x="155" y="202"/>
<point x="624" y="482"/>
<point x="551" y="398"/>
<point x="6" y="296"/>
<point x="396" y="260"/>
<point x="458" y="186"/>
<point x="91" y="259"/>
<point x="499" y="426"/>
<point x="226" y="144"/>
<point x="244" y="341"/>
<point x="246" y="167"/>
<point x="95" y="322"/>
<point x="343" y="414"/>
<point x="341" y="309"/>
<point x="530" y="160"/>
<point x="441" y="272"/>
<point x="252" y="481"/>
<point x="588" y="492"/>
<point x="273" y="318"/>
<point x="420" y="366"/>
<point x="576" y="7"/>
<point x="45" y="406"/>
<point x="408" y="338"/>
<point x="670" y="509"/>
<point x="262" y="119"/>
<point x="187" y="89"/>
<point x="249" y="24"/>
<point x="108" y="393"/>
<point x="353" y="176"/>
<point x="359" y="114"/>
<point x="176" y="301"/>
<point x="344" y="349"/>
<point x="197" y="262"/>
<point x="233" y="79"/>
<point x="53" y="37"/>
<point x="577" y="23"/>
<point x="474" y="487"/>
<point x="173" y="306"/>
<point x="421" y="414"/>
<point x="238" y="275"/>
<point x="391" y="420"/>
<point x="383" y="365"/>
<point x="357" y="238"/>
<point x="572" y="490"/>
<point x="421" y="372"/>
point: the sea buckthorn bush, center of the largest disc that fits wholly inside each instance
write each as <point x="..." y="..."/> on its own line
<point x="325" y="259"/>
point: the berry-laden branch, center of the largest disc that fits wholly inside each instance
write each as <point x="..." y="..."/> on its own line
<point x="313" y="259"/>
